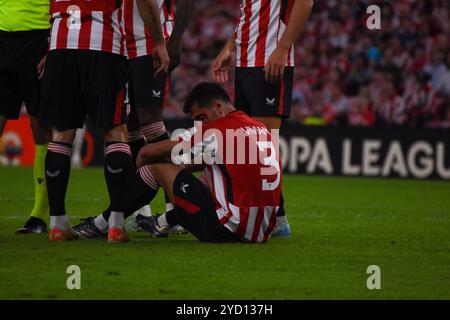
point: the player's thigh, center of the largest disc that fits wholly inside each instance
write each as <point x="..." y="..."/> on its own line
<point x="10" y="98"/>
<point x="165" y="174"/>
<point x="195" y="210"/>
<point x="41" y="131"/>
<point x="62" y="105"/>
<point x="132" y="120"/>
<point x="150" y="92"/>
<point x="33" y="49"/>
<point x="240" y="96"/>
<point x="105" y="92"/>
<point x="268" y="99"/>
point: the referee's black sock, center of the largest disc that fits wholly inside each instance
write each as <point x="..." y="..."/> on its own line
<point x="57" y="169"/>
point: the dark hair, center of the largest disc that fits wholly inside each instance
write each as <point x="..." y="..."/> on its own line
<point x="204" y="94"/>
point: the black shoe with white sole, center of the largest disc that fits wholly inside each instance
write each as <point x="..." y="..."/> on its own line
<point x="33" y="225"/>
<point x="150" y="224"/>
<point x="87" y="229"/>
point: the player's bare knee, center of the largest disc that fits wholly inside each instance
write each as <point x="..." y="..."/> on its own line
<point x="165" y="173"/>
<point x="42" y="133"/>
<point x="117" y="134"/>
<point x="156" y="169"/>
<point x="66" y="136"/>
<point x="133" y="122"/>
<point x="149" y="115"/>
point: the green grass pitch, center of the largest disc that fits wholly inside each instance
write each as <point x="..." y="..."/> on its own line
<point x="340" y="227"/>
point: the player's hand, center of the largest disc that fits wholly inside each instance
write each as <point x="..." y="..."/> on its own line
<point x="274" y="70"/>
<point x="161" y="58"/>
<point x="174" y="51"/>
<point x="41" y="67"/>
<point x="221" y="65"/>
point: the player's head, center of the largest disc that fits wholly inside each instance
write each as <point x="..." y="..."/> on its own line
<point x="208" y="101"/>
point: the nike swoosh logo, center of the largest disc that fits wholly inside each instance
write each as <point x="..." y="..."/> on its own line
<point x="40" y="180"/>
<point x="53" y="174"/>
<point x="114" y="171"/>
<point x="156" y="94"/>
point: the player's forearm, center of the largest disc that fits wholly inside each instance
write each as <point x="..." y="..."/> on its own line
<point x="230" y="45"/>
<point x="149" y="12"/>
<point x="160" y="152"/>
<point x="182" y="15"/>
<point x="300" y="13"/>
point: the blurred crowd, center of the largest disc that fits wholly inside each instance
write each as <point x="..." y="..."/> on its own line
<point x="345" y="73"/>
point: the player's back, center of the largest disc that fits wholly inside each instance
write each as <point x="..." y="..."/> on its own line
<point x="87" y="25"/>
<point x="245" y="177"/>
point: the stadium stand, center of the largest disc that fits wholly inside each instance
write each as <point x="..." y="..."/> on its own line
<point x="345" y="73"/>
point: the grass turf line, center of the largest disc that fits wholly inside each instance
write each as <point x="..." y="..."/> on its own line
<point x="340" y="227"/>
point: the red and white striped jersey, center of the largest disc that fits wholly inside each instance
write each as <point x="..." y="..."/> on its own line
<point x="139" y="41"/>
<point x="244" y="178"/>
<point x="261" y="25"/>
<point x="87" y="24"/>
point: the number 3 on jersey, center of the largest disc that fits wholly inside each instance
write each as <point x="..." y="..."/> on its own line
<point x="272" y="163"/>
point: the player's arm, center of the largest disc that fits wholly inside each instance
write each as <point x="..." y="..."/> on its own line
<point x="156" y="153"/>
<point x="182" y="15"/>
<point x="161" y="152"/>
<point x="300" y="13"/>
<point x="222" y="63"/>
<point x="149" y="12"/>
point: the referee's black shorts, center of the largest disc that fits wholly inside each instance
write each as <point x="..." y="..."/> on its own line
<point x="20" y="54"/>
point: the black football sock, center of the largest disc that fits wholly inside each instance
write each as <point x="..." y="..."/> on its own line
<point x="154" y="132"/>
<point x="143" y="189"/>
<point x="171" y="218"/>
<point x="136" y="141"/>
<point x="57" y="170"/>
<point x="117" y="172"/>
<point x="281" y="212"/>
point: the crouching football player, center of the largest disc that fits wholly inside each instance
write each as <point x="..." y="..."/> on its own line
<point x="238" y="195"/>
